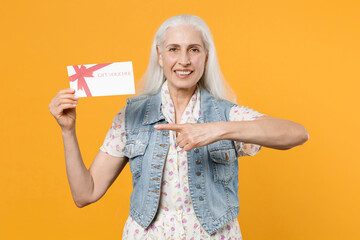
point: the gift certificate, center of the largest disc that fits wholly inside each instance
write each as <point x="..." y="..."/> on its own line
<point x="102" y="79"/>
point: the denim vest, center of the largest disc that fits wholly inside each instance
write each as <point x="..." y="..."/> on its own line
<point x="212" y="169"/>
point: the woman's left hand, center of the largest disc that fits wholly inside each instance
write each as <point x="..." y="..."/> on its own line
<point x="192" y="135"/>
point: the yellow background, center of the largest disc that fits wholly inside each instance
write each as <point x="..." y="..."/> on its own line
<point x="297" y="60"/>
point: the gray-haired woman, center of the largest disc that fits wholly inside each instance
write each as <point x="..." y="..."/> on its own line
<point x="182" y="137"/>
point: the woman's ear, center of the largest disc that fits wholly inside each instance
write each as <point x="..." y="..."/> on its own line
<point x="160" y="60"/>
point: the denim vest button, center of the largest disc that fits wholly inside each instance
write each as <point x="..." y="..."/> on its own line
<point x="198" y="173"/>
<point x="198" y="161"/>
<point x="196" y="150"/>
<point x="198" y="186"/>
<point x="201" y="198"/>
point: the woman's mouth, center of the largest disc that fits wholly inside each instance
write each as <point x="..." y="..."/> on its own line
<point x="182" y="73"/>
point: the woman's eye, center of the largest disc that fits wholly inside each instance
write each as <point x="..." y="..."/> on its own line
<point x="195" y="50"/>
<point x="172" y="49"/>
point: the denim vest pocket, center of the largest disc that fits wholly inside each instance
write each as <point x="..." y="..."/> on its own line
<point x="223" y="162"/>
<point x="135" y="150"/>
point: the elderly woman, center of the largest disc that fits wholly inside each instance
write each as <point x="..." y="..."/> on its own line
<point x="181" y="137"/>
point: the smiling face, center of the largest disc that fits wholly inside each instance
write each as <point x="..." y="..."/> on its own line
<point x="183" y="57"/>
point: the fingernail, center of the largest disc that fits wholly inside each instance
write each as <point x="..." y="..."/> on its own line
<point x="76" y="97"/>
<point x="156" y="126"/>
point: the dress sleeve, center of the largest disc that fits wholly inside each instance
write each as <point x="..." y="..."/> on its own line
<point x="240" y="113"/>
<point x="115" y="140"/>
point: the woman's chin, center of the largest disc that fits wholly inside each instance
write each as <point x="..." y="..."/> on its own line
<point x="182" y="84"/>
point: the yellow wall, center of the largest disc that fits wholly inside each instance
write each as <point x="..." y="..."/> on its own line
<point x="297" y="60"/>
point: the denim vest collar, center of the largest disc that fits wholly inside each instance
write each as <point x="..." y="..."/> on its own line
<point x="153" y="111"/>
<point x="154" y="114"/>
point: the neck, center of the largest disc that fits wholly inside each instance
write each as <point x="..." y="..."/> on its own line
<point x="180" y="99"/>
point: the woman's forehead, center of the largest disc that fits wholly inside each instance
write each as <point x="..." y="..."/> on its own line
<point x="183" y="35"/>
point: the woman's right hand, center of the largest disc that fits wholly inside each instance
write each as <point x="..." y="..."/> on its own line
<point x="62" y="107"/>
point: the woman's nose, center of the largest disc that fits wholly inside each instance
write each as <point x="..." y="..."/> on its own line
<point x="184" y="58"/>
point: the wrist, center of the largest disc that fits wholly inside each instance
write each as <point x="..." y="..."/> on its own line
<point x="230" y="131"/>
<point x="220" y="131"/>
<point x="68" y="132"/>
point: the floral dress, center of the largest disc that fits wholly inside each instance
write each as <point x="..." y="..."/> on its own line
<point x="176" y="218"/>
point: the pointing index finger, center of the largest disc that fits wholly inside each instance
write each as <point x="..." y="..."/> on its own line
<point x="172" y="127"/>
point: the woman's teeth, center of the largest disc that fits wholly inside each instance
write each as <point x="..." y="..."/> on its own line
<point x="183" y="72"/>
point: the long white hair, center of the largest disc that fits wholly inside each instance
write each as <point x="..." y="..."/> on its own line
<point x="212" y="79"/>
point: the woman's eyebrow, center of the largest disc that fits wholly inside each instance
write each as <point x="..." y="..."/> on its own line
<point x="189" y="46"/>
<point x="172" y="45"/>
<point x="195" y="45"/>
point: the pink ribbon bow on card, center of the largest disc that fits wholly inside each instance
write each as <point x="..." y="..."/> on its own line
<point x="83" y="72"/>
